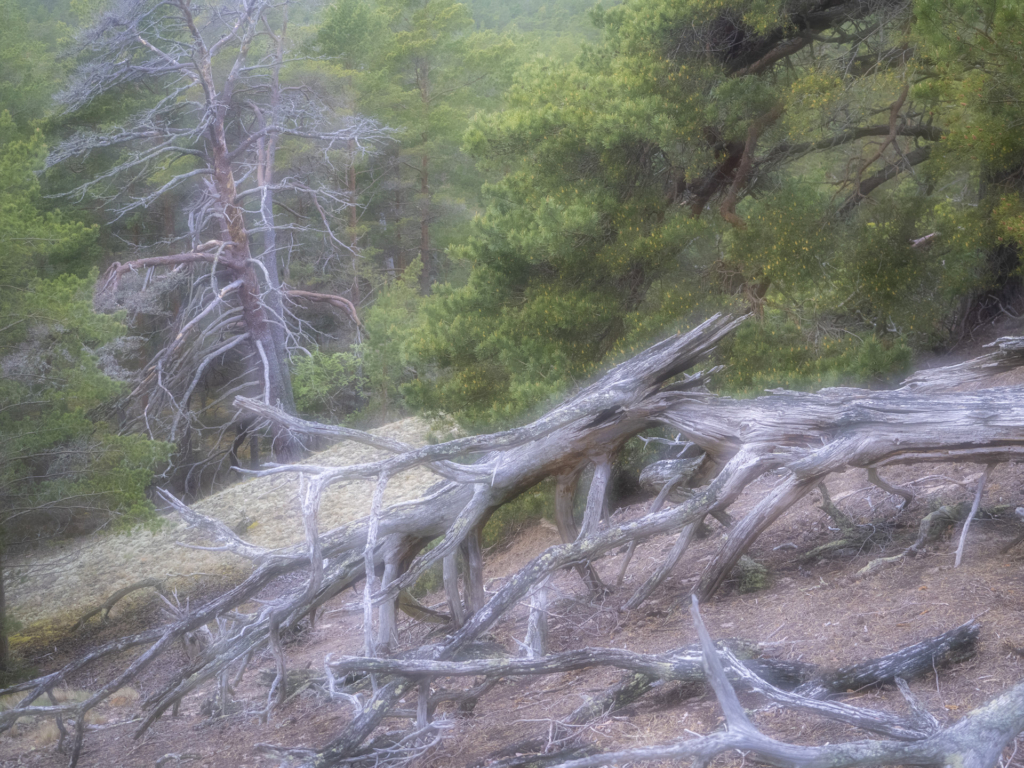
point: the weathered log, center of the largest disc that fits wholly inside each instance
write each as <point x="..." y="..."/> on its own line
<point x="815" y="435"/>
<point x="534" y="758"/>
<point x="922" y="658"/>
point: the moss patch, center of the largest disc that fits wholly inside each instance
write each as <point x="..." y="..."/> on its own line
<point x="752" y="576"/>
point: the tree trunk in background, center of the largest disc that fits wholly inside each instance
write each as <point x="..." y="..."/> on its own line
<point x="268" y="345"/>
<point x="353" y="222"/>
<point x="274" y="300"/>
<point x="5" y="646"/>
<point x="425" y="225"/>
<point x="399" y="250"/>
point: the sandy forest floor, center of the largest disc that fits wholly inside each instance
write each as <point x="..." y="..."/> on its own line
<point x="811" y="610"/>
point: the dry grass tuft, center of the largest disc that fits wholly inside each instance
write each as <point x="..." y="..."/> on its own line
<point x="8" y="701"/>
<point x="63" y="695"/>
<point x="43" y="732"/>
<point x="70" y="695"/>
<point x="123" y="696"/>
<point x="47" y="732"/>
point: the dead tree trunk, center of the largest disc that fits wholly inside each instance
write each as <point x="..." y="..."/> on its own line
<point x="225" y="110"/>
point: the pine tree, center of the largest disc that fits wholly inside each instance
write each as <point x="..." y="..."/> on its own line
<point x="780" y="158"/>
<point x="420" y="67"/>
<point x="62" y="462"/>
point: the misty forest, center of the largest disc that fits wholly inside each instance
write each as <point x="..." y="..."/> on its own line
<point x="511" y="384"/>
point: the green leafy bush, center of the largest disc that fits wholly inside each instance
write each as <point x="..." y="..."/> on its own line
<point x="778" y="353"/>
<point x="524" y="510"/>
<point x="321" y="380"/>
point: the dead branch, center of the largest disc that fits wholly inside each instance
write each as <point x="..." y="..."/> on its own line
<point x="339" y="302"/>
<point x="871" y="183"/>
<point x="110" y="602"/>
<point x="906" y="494"/>
<point x="1009" y="354"/>
<point x="757" y="127"/>
<point x="894" y="113"/>
<point x="977" y="741"/>
<point x="973" y="512"/>
<point x="943" y="516"/>
<point x="686" y="665"/>
<point x="768" y="676"/>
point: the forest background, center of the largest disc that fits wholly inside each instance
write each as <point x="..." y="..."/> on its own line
<point x="467" y="211"/>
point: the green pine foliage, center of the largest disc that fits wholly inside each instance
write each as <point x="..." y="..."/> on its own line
<point x="61" y="457"/>
<point x="384" y="361"/>
<point x="36" y="242"/>
<point x="371" y="373"/>
<point x="25" y="79"/>
<point x="778" y="353"/>
<point x="607" y="229"/>
<point x="421" y="67"/>
<point x="321" y="380"/>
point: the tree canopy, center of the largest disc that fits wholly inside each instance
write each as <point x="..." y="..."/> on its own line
<point x="817" y="162"/>
<point x="63" y="464"/>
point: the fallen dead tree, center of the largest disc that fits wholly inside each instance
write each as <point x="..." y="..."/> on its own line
<point x="806" y="436"/>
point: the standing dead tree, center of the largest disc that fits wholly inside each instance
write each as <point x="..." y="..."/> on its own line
<point x="805" y="436"/>
<point x="209" y="137"/>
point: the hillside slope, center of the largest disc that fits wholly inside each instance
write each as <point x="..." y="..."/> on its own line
<point x="58" y="583"/>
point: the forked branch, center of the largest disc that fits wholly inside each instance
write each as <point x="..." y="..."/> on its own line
<point x="977" y="741"/>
